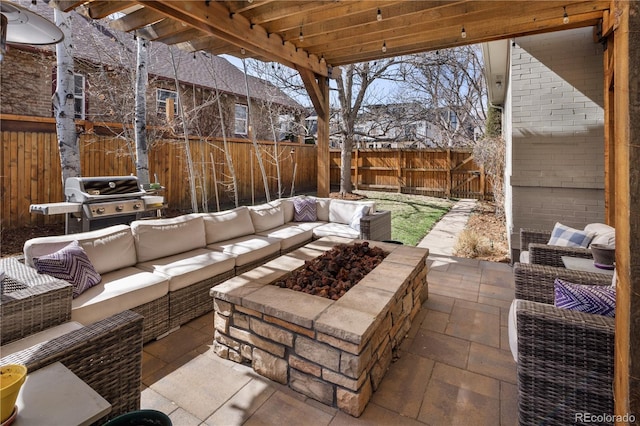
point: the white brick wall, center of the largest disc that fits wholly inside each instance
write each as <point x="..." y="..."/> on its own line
<point x="557" y="136"/>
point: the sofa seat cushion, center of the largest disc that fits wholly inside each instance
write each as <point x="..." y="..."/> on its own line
<point x="290" y="235"/>
<point x="248" y="249"/>
<point x="108" y="249"/>
<point x="118" y="291"/>
<point x="39" y="338"/>
<point x="158" y="238"/>
<point x="308" y="225"/>
<point x="190" y="267"/>
<point x="228" y="224"/>
<point x="337" y="229"/>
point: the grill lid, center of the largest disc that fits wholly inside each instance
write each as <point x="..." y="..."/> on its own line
<point x="89" y="189"/>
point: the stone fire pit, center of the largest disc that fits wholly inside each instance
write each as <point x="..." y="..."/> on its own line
<point x="336" y="352"/>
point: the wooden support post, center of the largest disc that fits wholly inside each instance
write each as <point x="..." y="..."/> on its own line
<point x="356" y="177"/>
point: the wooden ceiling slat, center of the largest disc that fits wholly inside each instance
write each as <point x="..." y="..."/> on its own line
<point x="137" y="19"/>
<point x="342" y="32"/>
<point x="66" y="5"/>
<point x="214" y="18"/>
<point x="102" y="9"/>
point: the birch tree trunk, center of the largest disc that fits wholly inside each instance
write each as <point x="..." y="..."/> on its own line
<point x="142" y="150"/>
<point x="64" y="100"/>
<point x="276" y="153"/>
<point x="253" y="137"/>
<point x="185" y="130"/>
<point x="227" y="154"/>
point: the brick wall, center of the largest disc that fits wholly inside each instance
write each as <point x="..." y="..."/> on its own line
<point x="25" y="85"/>
<point x="557" y="135"/>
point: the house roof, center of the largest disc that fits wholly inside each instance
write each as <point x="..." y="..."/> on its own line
<point x="97" y="42"/>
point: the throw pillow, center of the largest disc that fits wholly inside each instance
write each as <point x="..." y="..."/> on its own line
<point x="591" y="299"/>
<point x="566" y="236"/>
<point x="358" y="214"/>
<point x="71" y="264"/>
<point x="304" y="210"/>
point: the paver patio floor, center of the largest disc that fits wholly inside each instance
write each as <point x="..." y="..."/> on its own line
<point x="454" y="367"/>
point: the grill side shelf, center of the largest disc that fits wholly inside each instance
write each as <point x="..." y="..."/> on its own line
<point x="55" y="208"/>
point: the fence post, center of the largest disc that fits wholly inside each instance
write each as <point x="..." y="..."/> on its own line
<point x="449" y="175"/>
<point x="400" y="179"/>
<point x="483" y="183"/>
<point x="355" y="183"/>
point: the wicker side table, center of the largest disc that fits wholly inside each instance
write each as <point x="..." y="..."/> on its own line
<point x="30" y="302"/>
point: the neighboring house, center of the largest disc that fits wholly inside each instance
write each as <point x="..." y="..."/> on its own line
<point x="411" y="125"/>
<point x="105" y="61"/>
<point x="401" y="125"/>
<point x="550" y="89"/>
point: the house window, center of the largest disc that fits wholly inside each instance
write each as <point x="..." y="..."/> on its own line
<point x="78" y="95"/>
<point x="241" y="120"/>
<point x="453" y="120"/>
<point x="161" y="100"/>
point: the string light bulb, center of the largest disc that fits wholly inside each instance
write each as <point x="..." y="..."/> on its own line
<point x="463" y="33"/>
<point x="379" y="15"/>
<point x="384" y="47"/>
<point x="565" y="17"/>
<point x="242" y="51"/>
<point x="322" y="60"/>
<point x="301" y="37"/>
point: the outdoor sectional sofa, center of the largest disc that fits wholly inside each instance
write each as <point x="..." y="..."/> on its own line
<point x="164" y="268"/>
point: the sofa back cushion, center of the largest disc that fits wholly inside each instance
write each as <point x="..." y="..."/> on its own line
<point x="287" y="208"/>
<point x="322" y="209"/>
<point x="603" y="234"/>
<point x="108" y="249"/>
<point x="343" y="211"/>
<point x="267" y="216"/>
<point x="165" y="237"/>
<point x="228" y="224"/>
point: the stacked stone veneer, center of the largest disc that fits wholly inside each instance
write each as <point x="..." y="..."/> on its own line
<point x="336" y="352"/>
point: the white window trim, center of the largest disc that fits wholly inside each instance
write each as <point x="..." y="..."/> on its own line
<point x="82" y="114"/>
<point x="161" y="104"/>
<point x="237" y="120"/>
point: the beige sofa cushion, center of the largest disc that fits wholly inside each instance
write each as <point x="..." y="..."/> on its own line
<point x="118" y="291"/>
<point x="190" y="267"/>
<point x="342" y="211"/>
<point x="338" y="229"/>
<point x="290" y="235"/>
<point x="267" y="216"/>
<point x="604" y="234"/>
<point x="248" y="249"/>
<point x="108" y="249"/>
<point x="322" y="208"/>
<point x="227" y="224"/>
<point x="159" y="238"/>
<point x="39" y="338"/>
<point x="287" y="208"/>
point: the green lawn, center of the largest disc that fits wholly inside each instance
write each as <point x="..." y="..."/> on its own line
<point x="412" y="216"/>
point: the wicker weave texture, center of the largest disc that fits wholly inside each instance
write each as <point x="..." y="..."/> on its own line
<point x="43" y="301"/>
<point x="193" y="301"/>
<point x="543" y="254"/>
<point x="107" y="355"/>
<point x="535" y="282"/>
<point x="565" y="364"/>
<point x="156" y="317"/>
<point x="376" y="226"/>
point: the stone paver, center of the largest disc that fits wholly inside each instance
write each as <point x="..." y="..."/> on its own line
<point x="453" y="368"/>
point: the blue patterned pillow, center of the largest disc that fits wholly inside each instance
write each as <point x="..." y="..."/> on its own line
<point x="591" y="299"/>
<point x="71" y="264"/>
<point x="304" y="210"/>
<point x="566" y="236"/>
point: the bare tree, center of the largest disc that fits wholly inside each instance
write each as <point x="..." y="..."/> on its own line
<point x="142" y="77"/>
<point x="64" y="101"/>
<point x="451" y="85"/>
<point x="352" y="86"/>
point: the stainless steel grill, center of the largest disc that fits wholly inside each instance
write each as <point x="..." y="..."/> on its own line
<point x="97" y="202"/>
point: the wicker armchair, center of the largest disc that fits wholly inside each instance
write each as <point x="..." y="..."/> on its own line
<point x="107" y="355"/>
<point x="540" y="253"/>
<point x="565" y="358"/>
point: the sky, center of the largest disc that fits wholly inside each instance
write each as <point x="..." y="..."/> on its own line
<point x="381" y="89"/>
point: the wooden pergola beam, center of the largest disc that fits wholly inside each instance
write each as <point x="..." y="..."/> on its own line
<point x="215" y="19"/>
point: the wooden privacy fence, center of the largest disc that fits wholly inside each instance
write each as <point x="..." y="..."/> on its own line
<point x="31" y="170"/>
<point x="435" y="172"/>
